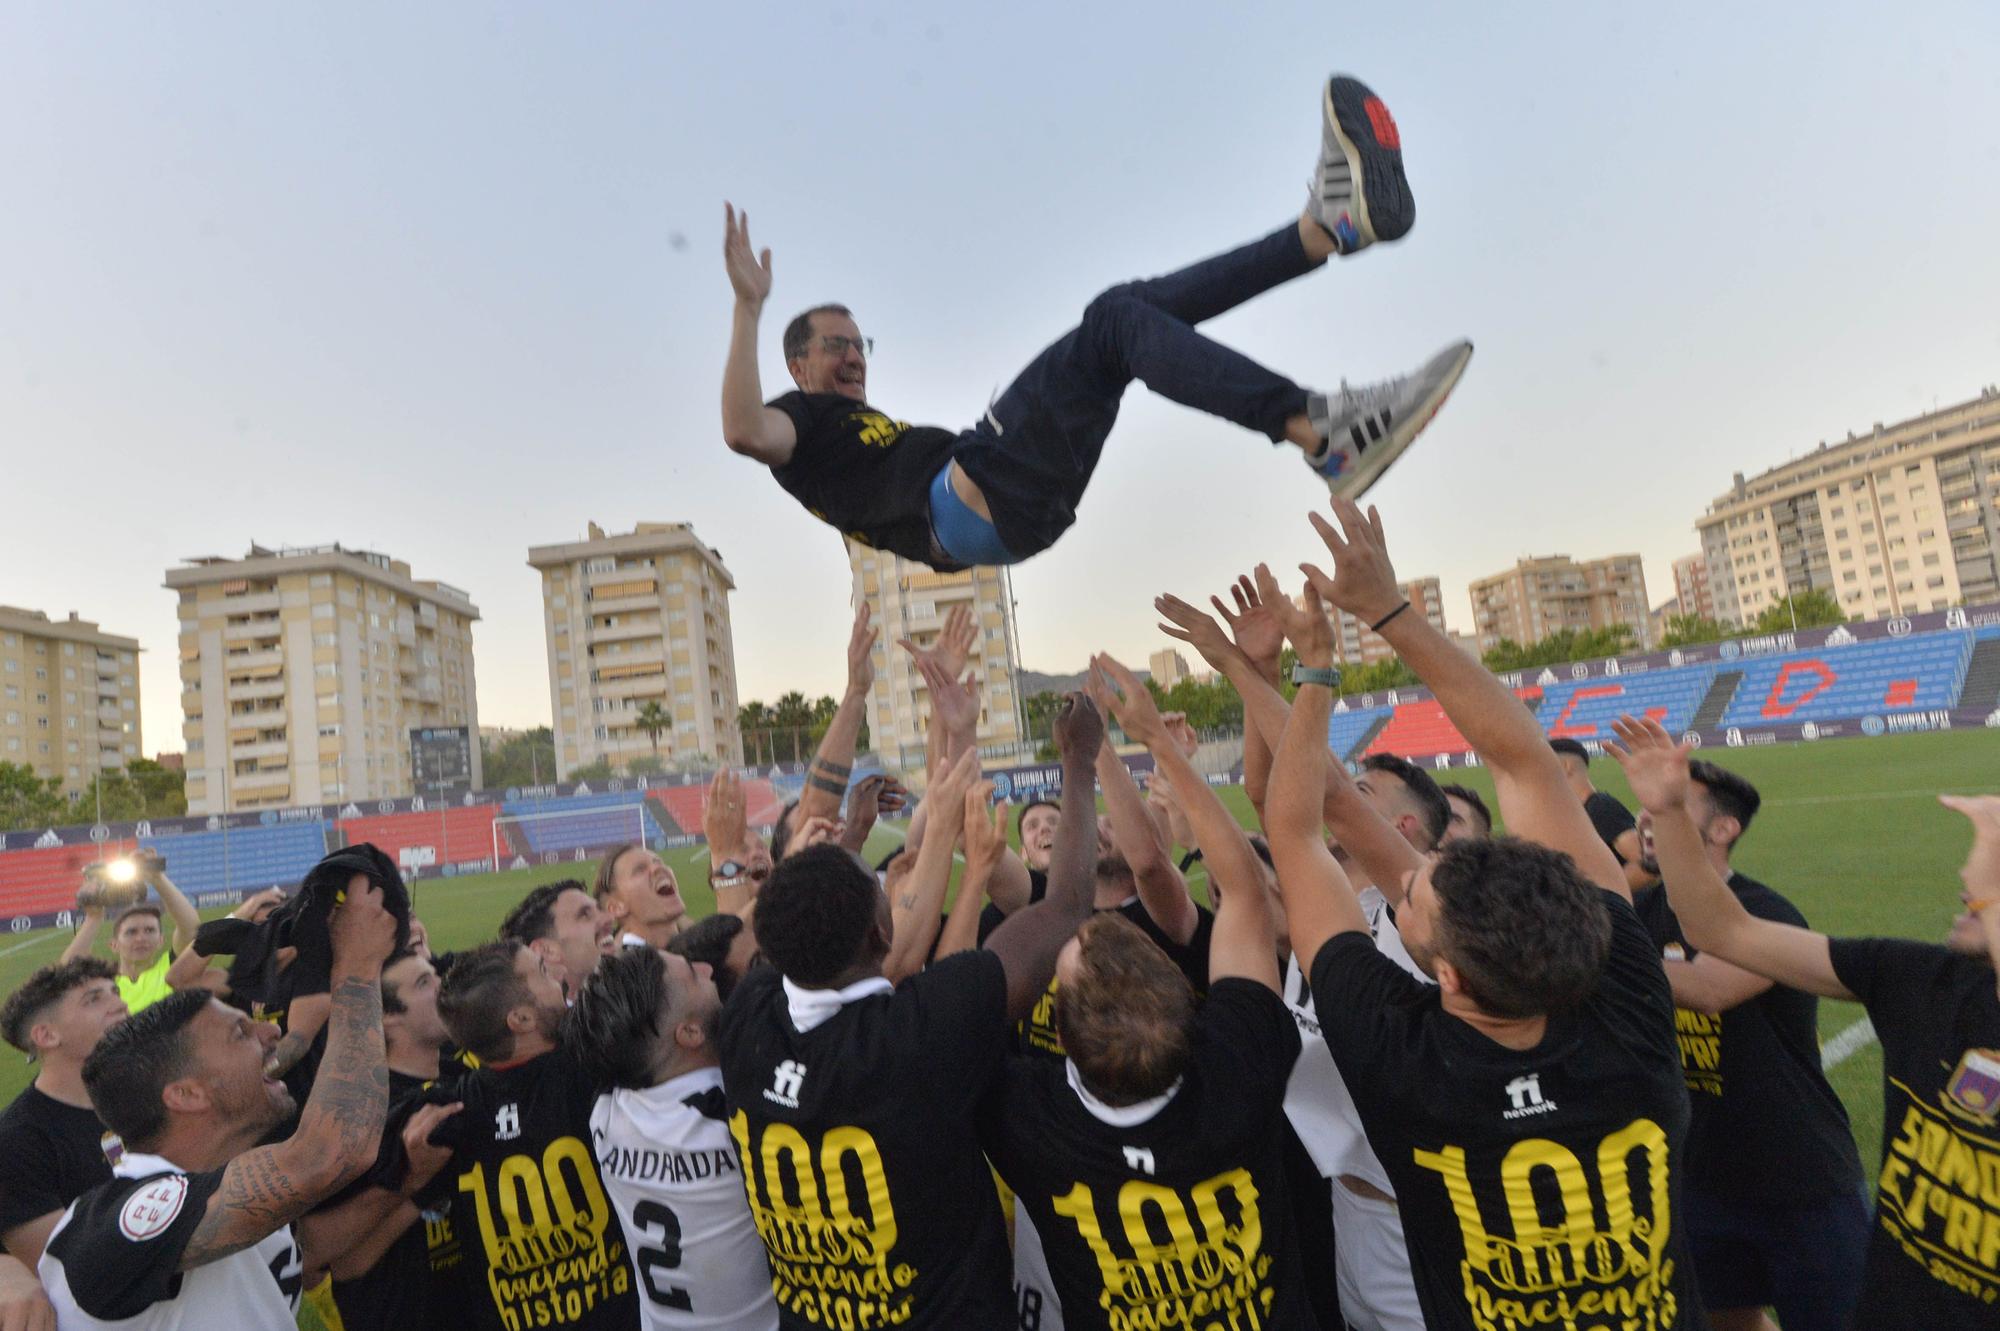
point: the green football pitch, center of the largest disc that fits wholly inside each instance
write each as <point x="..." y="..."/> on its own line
<point x="1850" y="831"/>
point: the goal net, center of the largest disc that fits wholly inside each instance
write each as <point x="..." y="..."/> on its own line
<point x="558" y="836"/>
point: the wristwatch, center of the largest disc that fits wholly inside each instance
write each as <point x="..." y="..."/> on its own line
<point x="728" y="869"/>
<point x="1328" y="676"/>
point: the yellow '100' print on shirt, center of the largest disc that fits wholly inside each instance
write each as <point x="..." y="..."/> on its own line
<point x="1568" y="1271"/>
<point x="547" y="1261"/>
<point x="829" y="1261"/>
<point x="1176" y="1277"/>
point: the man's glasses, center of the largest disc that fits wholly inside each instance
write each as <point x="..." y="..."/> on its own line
<point x="833" y="344"/>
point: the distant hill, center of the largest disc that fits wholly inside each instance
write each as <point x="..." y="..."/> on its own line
<point x="1031" y="682"/>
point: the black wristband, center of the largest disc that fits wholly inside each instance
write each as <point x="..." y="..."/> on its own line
<point x="1187" y="860"/>
<point x="1376" y="627"/>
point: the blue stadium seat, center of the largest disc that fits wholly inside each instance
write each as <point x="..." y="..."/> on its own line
<point x="1585" y="709"/>
<point x="241" y="859"/>
<point x="1831" y="683"/>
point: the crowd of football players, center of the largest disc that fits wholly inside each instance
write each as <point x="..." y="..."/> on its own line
<point x="1384" y="1060"/>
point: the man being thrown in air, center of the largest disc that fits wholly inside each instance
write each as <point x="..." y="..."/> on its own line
<point x="1007" y="488"/>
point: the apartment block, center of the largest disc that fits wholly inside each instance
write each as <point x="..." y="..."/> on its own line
<point x="69" y="696"/>
<point x="1902" y="519"/>
<point x="635" y="621"/>
<point x="1546" y="594"/>
<point x="911" y="601"/>
<point x="1167" y="667"/>
<point x="1693" y="593"/>
<point x="304" y="670"/>
<point x="1354" y="644"/>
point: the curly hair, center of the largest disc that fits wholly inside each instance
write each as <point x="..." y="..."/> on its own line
<point x="815" y="915"/>
<point x="42" y="991"/>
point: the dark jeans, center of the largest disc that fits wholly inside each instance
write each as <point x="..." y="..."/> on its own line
<point x="1034" y="452"/>
<point x="1805" y="1260"/>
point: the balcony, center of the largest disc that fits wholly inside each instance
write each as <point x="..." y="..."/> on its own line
<point x="263" y="748"/>
<point x="236" y="662"/>
<point x="406" y="633"/>
<point x="252" y="630"/>
<point x="272" y="779"/>
<point x="611" y="605"/>
<point x="108" y="716"/>
<point x="107" y="667"/>
<point x="616" y="581"/>
<point x="635" y="686"/>
<point x="635" y="631"/>
<point x="250" y="690"/>
<point x="256" y="603"/>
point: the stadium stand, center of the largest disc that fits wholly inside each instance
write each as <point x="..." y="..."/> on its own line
<point x="458" y="835"/>
<point x="1585" y="709"/>
<point x="1831" y="683"/>
<point x="578" y="829"/>
<point x="243" y="858"/>
<point x="45" y="881"/>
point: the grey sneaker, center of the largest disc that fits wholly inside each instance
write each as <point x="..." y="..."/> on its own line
<point x="1366" y="429"/>
<point x="1359" y="193"/>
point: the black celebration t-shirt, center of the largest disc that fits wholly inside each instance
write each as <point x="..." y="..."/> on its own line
<point x="531" y="1237"/>
<point x="50" y="1155"/>
<point x="1934" y="1260"/>
<point x="1037" y="1032"/>
<point x="1611" y="819"/>
<point x="1537" y="1187"/>
<point x="864" y="1171"/>
<point x="866" y="474"/>
<point x="1766" y="1127"/>
<point x="1179" y="1220"/>
<point x="396" y="1291"/>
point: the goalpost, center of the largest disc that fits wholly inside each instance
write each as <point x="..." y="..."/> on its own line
<point x="560" y="836"/>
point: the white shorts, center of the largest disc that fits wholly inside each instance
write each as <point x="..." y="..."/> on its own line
<point x="1372" y="1264"/>
<point x="1035" y="1300"/>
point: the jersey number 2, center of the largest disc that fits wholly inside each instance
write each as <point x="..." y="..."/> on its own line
<point x="657" y="1223"/>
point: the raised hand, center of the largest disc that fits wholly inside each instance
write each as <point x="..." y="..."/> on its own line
<point x="362" y="931"/>
<point x="1310" y="631"/>
<point x="948" y="794"/>
<point x="861" y="654"/>
<point x="1656" y="765"/>
<point x="1198" y="629"/>
<point x="1981" y="873"/>
<point x="425" y="1157"/>
<point x="1258" y="634"/>
<point x="723" y="820"/>
<point x="1079" y="727"/>
<point x="955" y="701"/>
<point x="1182" y="733"/>
<point x="1363" y="582"/>
<point x="749" y="272"/>
<point x="953" y="647"/>
<point x="814" y="832"/>
<point x="864" y="806"/>
<point x="1118" y="689"/>
<point x="985" y="829"/>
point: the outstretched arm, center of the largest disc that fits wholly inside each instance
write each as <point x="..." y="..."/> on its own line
<point x="748" y="426"/>
<point x="1027" y="944"/>
<point x="85" y="936"/>
<point x="1245" y="941"/>
<point x="1162" y="890"/>
<point x="187" y="921"/>
<point x="985" y="843"/>
<point x="916" y="905"/>
<point x="833" y="761"/>
<point x="1709" y="913"/>
<point x="1319" y="900"/>
<point x="340" y="1128"/>
<point x="1535" y="799"/>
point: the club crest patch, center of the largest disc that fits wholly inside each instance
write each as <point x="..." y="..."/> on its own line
<point x="1974" y="1087"/>
<point x="148" y="1212"/>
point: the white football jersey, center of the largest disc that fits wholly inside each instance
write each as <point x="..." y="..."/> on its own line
<point x="114" y="1260"/>
<point x="671" y="1167"/>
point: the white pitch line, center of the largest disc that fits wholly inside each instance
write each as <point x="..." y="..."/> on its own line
<point x="1846" y="1044"/>
<point x="25" y="944"/>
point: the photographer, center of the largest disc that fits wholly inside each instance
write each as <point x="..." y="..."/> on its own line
<point x="137" y="933"/>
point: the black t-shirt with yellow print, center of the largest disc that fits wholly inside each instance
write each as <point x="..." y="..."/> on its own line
<point x="860" y="1157"/>
<point x="1538" y="1187"/>
<point x="1934" y="1259"/>
<point x="865" y="473"/>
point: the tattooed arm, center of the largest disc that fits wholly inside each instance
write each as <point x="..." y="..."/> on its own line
<point x="833" y="763"/>
<point x="340" y="1129"/>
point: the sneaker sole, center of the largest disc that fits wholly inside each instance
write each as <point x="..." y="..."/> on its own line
<point x="1381" y="190"/>
<point x="1382" y="456"/>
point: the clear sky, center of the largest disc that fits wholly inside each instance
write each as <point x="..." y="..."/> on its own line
<point x="445" y="280"/>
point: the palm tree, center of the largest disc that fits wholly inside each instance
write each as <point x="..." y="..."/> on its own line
<point x="754" y="719"/>
<point x="653" y="719"/>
